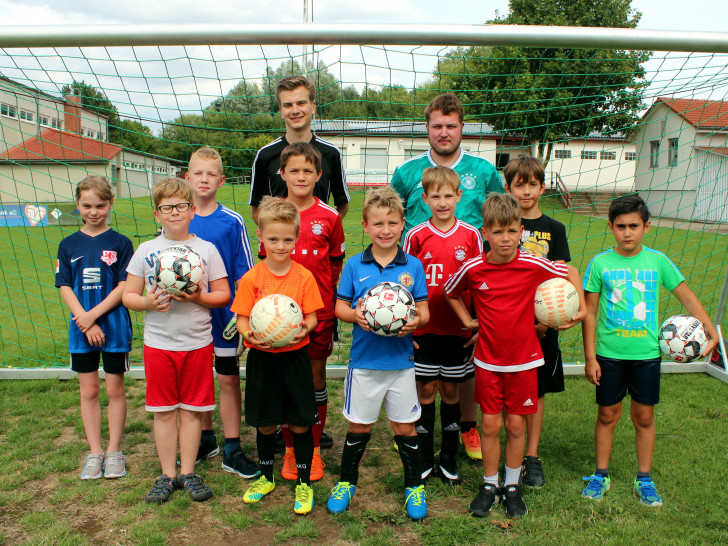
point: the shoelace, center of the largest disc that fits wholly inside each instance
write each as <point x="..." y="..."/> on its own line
<point x="595" y="482"/>
<point x="302" y="493"/>
<point x="194" y="482"/>
<point x="258" y="485"/>
<point x="161" y="485"/>
<point x="648" y="489"/>
<point x="419" y="496"/>
<point x="114" y="459"/>
<point x="339" y="491"/>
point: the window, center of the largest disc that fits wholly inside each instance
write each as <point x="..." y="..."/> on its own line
<point x="375" y="159"/>
<point x="630" y="156"/>
<point x="672" y="151"/>
<point x="610" y="156"/>
<point x="588" y="155"/>
<point x="26" y="115"/>
<point x="90" y="133"/>
<point x="8" y="110"/>
<point x="654" y="154"/>
<point x="562" y="154"/>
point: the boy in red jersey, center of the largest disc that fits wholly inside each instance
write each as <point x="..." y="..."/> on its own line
<point x="502" y="285"/>
<point x="320" y="248"/>
<point x="442" y="351"/>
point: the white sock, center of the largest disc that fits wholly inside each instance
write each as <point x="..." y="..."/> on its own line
<point x="512" y="475"/>
<point x="493" y="480"/>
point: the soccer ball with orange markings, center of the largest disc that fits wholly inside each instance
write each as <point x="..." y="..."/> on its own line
<point x="557" y="301"/>
<point x="275" y="319"/>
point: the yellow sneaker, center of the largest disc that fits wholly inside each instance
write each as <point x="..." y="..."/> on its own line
<point x="304" y="499"/>
<point x="317" y="467"/>
<point x="289" y="470"/>
<point x="258" y="489"/>
<point x="471" y="443"/>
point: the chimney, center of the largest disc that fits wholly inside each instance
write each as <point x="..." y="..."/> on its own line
<point x="72" y="114"/>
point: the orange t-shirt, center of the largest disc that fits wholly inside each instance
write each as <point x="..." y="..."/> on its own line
<point x="298" y="284"/>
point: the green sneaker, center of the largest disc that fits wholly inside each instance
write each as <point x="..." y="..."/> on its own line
<point x="304" y="499"/>
<point x="596" y="488"/>
<point x="646" y="492"/>
<point x="258" y="489"/>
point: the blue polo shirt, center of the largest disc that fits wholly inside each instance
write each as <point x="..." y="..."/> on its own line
<point x="361" y="272"/>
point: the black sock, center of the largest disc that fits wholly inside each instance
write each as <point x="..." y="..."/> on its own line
<point x="641" y="475"/>
<point x="266" y="453"/>
<point x="232" y="445"/>
<point x="303" y="448"/>
<point x="603" y="472"/>
<point x="465" y="426"/>
<point x="411" y="460"/>
<point x="450" y="421"/>
<point x="354" y="446"/>
<point x="425" y="436"/>
<point x="208" y="437"/>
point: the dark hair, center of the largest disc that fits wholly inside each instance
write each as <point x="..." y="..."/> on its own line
<point x="627" y="204"/>
<point x="305" y="149"/>
<point x="445" y="103"/>
<point x="523" y="167"/>
<point x="289" y="83"/>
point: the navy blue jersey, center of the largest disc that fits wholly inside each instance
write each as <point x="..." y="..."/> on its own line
<point x="93" y="267"/>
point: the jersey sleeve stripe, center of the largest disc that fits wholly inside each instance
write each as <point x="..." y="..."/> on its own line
<point x="252" y="173"/>
<point x="457" y="277"/>
<point x="341" y="162"/>
<point x="558" y="269"/>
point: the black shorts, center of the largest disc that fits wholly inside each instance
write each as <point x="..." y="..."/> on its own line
<point x="89" y="362"/>
<point x="551" y="374"/>
<point x="227" y="365"/>
<point x="279" y="389"/>
<point x="443" y="357"/>
<point x="641" y="378"/>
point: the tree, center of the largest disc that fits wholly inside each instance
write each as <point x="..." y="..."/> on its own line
<point x="95" y="100"/>
<point x="137" y="136"/>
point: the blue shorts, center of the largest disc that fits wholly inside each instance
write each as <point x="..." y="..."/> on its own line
<point x="641" y="378"/>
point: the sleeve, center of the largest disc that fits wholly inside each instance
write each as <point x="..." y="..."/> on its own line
<point x="397" y="184"/>
<point x="346" y="283"/>
<point x="458" y="283"/>
<point x="126" y="251"/>
<point x="259" y="183"/>
<point x="478" y="243"/>
<point x="407" y="245"/>
<point x="670" y="274"/>
<point x="63" y="267"/>
<point x="495" y="184"/>
<point x="215" y="266"/>
<point x="337" y="181"/>
<point x="245" y="296"/>
<point x="419" y="288"/>
<point x="592" y="278"/>
<point x="311" y="295"/>
<point x="559" y="243"/>
<point x="136" y="264"/>
<point x="337" y="250"/>
<point x="244" y="254"/>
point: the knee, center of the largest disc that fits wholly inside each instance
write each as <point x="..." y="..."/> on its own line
<point x="609" y="416"/>
<point x="90" y="391"/>
<point x="515" y="425"/>
<point x="449" y="392"/>
<point x="229" y="382"/>
<point x="428" y="391"/>
<point x="643" y="419"/>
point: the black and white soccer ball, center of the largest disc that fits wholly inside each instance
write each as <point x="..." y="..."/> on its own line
<point x="682" y="338"/>
<point x="387" y="307"/>
<point x="178" y="269"/>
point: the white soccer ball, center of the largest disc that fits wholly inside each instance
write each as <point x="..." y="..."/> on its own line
<point x="387" y="307"/>
<point x="557" y="301"/>
<point x="178" y="269"/>
<point x="275" y="319"/>
<point x="682" y="338"/>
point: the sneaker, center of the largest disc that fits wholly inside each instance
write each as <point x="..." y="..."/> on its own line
<point x="194" y="485"/>
<point x="471" y="442"/>
<point x="512" y="501"/>
<point x="317" y="467"/>
<point x="647" y="492"/>
<point x="532" y="472"/>
<point x="280" y="441"/>
<point x="239" y="464"/>
<point x="415" y="502"/>
<point x="449" y="470"/>
<point x="326" y="441"/>
<point x="304" y="499"/>
<point x="289" y="470"/>
<point x="206" y="450"/>
<point x="488" y="495"/>
<point x="93" y="467"/>
<point x="596" y="488"/>
<point x="340" y="497"/>
<point x="161" y="490"/>
<point x="115" y="464"/>
<point x="258" y="489"/>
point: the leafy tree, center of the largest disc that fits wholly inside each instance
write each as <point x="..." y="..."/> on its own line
<point x="137" y="136"/>
<point x="95" y="100"/>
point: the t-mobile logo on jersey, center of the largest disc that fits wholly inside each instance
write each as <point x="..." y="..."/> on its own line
<point x="434" y="274"/>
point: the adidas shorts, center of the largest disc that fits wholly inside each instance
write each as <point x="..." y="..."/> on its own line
<point x="366" y="390"/>
<point x="443" y="357"/>
<point x="517" y="391"/>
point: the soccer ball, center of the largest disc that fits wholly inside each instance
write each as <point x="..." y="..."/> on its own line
<point x="682" y="338"/>
<point x="275" y="319"/>
<point x="557" y="301"/>
<point x="178" y="269"/>
<point x="387" y="307"/>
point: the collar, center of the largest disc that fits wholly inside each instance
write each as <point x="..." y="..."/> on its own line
<point x="399" y="259"/>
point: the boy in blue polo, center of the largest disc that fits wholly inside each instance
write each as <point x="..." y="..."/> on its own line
<point x="381" y="369"/>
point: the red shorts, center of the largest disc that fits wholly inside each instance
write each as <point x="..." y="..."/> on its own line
<point x="518" y="391"/>
<point x="179" y="379"/>
<point x="321" y="340"/>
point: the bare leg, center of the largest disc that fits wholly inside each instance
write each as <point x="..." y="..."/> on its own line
<point x="607" y="419"/>
<point x="190" y="430"/>
<point x="643" y="418"/>
<point x="230" y="406"/>
<point x="117" y="409"/>
<point x="468" y="407"/>
<point x="534" y="423"/>
<point x="490" y="427"/>
<point x="515" y="439"/>
<point x="90" y="409"/>
<point x="165" y="437"/>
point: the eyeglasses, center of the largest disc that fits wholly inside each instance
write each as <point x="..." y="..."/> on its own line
<point x="167" y="209"/>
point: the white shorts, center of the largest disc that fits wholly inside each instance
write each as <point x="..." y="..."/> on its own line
<point x="365" y="390"/>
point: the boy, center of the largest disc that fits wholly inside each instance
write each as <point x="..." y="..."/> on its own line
<point x="502" y="284"/>
<point x="626" y="356"/>
<point x="225" y="229"/>
<point x="545" y="237"/>
<point x="381" y="368"/>
<point x="177" y="340"/>
<point x="279" y="384"/>
<point x="320" y="248"/>
<point x="442" y="352"/>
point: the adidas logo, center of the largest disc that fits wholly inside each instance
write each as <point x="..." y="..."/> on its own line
<point x="421" y="430"/>
<point x="528" y="402"/>
<point x="427" y="256"/>
<point x="484" y="286"/>
<point x="452" y="426"/>
<point x="414" y="408"/>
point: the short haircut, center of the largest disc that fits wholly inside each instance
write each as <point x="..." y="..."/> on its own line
<point x="278" y="210"/>
<point x="289" y="83"/>
<point x="311" y="154"/>
<point x="171" y="187"/>
<point x="523" y="168"/>
<point x="627" y="204"/>
<point x="385" y="198"/>
<point x="445" y="103"/>
<point x="98" y="184"/>
<point x="207" y="154"/>
<point x="501" y="209"/>
<point x="434" y="178"/>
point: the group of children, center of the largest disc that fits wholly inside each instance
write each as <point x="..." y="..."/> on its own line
<point x="471" y="305"/>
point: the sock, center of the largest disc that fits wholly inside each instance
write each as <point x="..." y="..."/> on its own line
<point x="354" y="446"/>
<point x="603" y="472"/>
<point x="287" y="437"/>
<point x="425" y="437"/>
<point x="643" y="476"/>
<point x="266" y="452"/>
<point x="322" y="405"/>
<point x="232" y="445"/>
<point x="465" y="426"/>
<point x="493" y="480"/>
<point x="450" y="422"/>
<point x="411" y="460"/>
<point x="512" y="475"/>
<point x="303" y="446"/>
<point x="208" y="437"/>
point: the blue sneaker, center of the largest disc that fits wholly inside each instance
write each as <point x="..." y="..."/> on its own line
<point x="415" y="502"/>
<point x="340" y="497"/>
<point x="647" y="492"/>
<point x="596" y="488"/>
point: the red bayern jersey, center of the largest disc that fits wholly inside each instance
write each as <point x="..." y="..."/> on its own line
<point x="320" y="249"/>
<point x="503" y="295"/>
<point x="442" y="253"/>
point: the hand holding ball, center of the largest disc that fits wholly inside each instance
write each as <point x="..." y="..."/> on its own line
<point x="557" y="301"/>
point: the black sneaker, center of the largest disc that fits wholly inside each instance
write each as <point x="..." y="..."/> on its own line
<point x="449" y="470"/>
<point x="488" y="495"/>
<point x="194" y="485"/>
<point x="513" y="501"/>
<point x="280" y="442"/>
<point x="206" y="449"/>
<point x="326" y="440"/>
<point x="239" y="464"/>
<point x="532" y="472"/>
<point x="161" y="490"/>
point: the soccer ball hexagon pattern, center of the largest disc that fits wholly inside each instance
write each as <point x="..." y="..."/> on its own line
<point x="556" y="301"/>
<point x="178" y="269"/>
<point x="682" y="338"/>
<point x="387" y="307"/>
<point x="275" y="319"/>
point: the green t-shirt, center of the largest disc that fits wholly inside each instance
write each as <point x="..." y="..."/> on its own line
<point x="478" y="178"/>
<point x="629" y="298"/>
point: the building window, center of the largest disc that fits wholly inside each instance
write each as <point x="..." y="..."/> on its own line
<point x="654" y="154"/>
<point x="26" y="115"/>
<point x="375" y="159"/>
<point x="8" y="110"/>
<point x="562" y="154"/>
<point x="609" y="156"/>
<point x="90" y="133"/>
<point x="588" y="155"/>
<point x="672" y="151"/>
<point x="630" y="156"/>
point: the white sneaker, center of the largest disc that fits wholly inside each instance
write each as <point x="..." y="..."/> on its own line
<point x="115" y="464"/>
<point x="93" y="467"/>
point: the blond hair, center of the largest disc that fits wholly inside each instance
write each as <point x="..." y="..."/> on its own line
<point x="98" y="184"/>
<point x="385" y="198"/>
<point x="278" y="210"/>
<point x="171" y="187"/>
<point x="206" y="154"/>
<point x="501" y="209"/>
<point x="289" y="83"/>
<point x="434" y="178"/>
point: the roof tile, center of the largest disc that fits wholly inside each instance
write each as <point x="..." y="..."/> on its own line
<point x="55" y="145"/>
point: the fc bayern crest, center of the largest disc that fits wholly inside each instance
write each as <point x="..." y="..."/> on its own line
<point x="317" y="228"/>
<point x="468" y="181"/>
<point x="406" y="280"/>
<point x="459" y="254"/>
<point x="108" y="257"/>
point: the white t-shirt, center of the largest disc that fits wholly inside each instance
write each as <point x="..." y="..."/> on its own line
<point x="186" y="326"/>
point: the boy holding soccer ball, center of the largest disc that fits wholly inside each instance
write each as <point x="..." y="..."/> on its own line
<point x="381" y="369"/>
<point x="626" y="355"/>
<point x="178" y="342"/>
